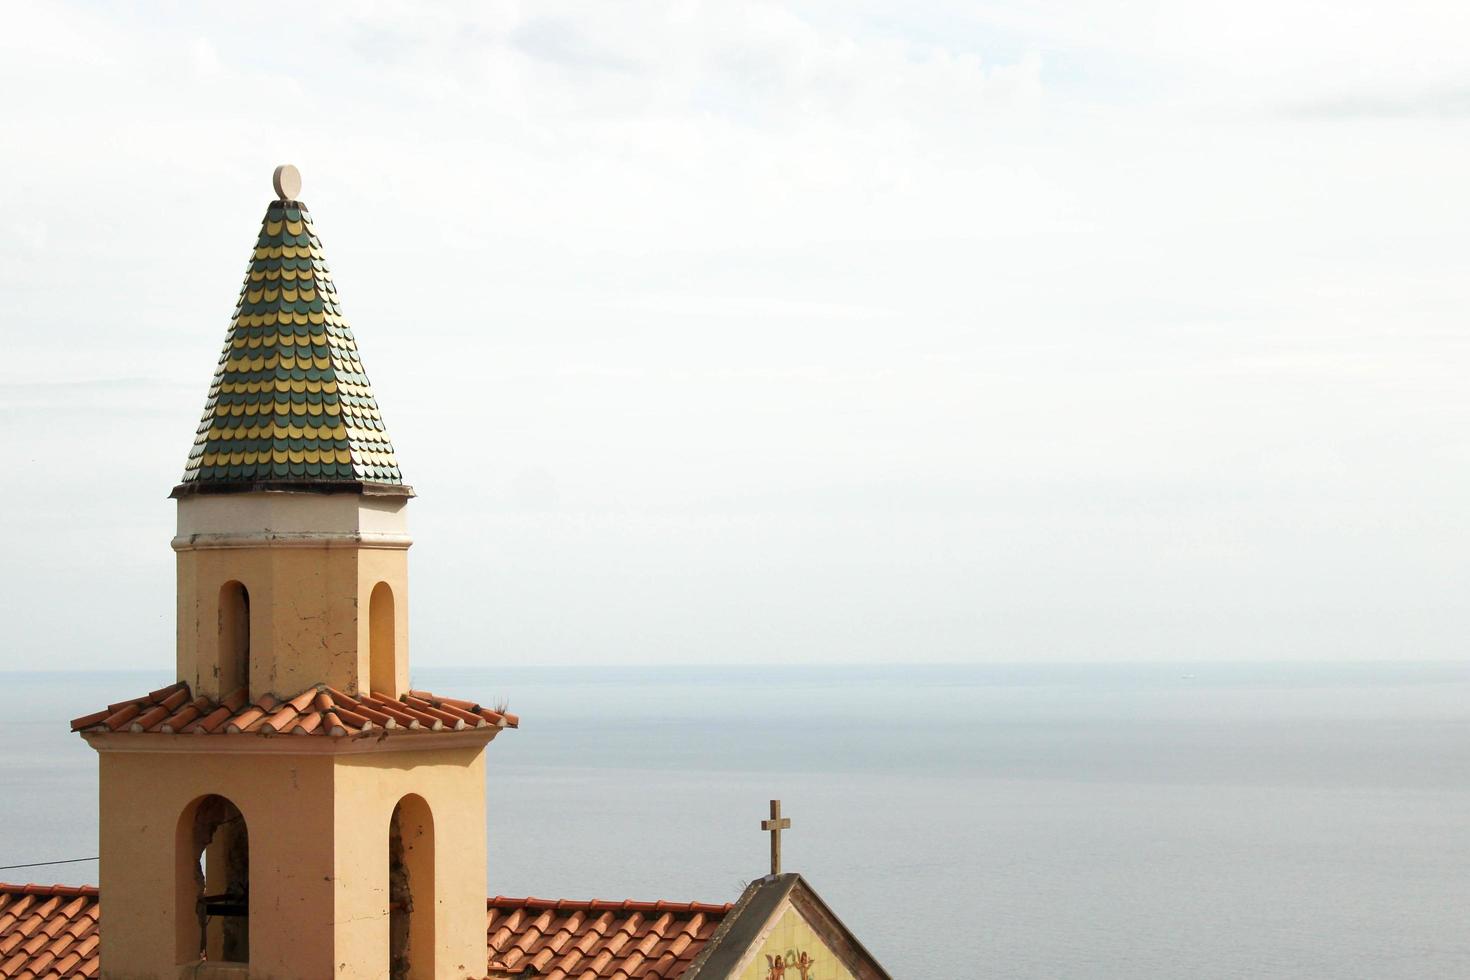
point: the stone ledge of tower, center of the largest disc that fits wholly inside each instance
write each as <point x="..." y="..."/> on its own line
<point x="283" y="519"/>
<point x="365" y="489"/>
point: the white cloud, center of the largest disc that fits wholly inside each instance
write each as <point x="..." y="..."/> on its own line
<point x="1032" y="318"/>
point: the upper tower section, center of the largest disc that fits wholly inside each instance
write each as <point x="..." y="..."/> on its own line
<point x="292" y="531"/>
<point x="291" y="407"/>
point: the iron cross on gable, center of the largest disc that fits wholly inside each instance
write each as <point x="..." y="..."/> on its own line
<point x="774" y="826"/>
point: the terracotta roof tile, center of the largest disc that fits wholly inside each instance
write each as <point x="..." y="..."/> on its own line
<point x="47" y="932"/>
<point x="319" y="710"/>
<point x="52" y="932"/>
<point x="563" y="940"/>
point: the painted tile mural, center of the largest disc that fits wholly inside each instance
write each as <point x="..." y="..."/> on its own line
<point x="792" y="951"/>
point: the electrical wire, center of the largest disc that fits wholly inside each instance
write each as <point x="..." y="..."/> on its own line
<point x="42" y="864"/>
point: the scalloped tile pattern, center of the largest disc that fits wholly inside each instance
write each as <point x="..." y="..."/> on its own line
<point x="319" y="710"/>
<point x="290" y="402"/>
<point x="51" y="932"/>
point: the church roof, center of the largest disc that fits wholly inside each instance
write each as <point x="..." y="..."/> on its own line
<point x="49" y="932"/>
<point x="318" y="711"/>
<point x="290" y="406"/>
<point x="561" y="940"/>
<point x="753" y="926"/>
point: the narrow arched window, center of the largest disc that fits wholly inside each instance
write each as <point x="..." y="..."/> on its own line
<point x="383" y="669"/>
<point x="213" y="883"/>
<point x="411" y="890"/>
<point x="234" y="638"/>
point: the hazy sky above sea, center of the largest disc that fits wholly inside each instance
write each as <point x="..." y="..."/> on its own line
<point x="719" y="332"/>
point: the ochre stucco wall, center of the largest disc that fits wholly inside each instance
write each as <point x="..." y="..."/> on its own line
<point x="391" y="567"/>
<point x="788" y="939"/>
<point x="318" y="831"/>
<point x="452" y="782"/>
<point x="287" y="805"/>
<point x="308" y="615"/>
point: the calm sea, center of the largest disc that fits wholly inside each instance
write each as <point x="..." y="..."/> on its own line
<point x="980" y="821"/>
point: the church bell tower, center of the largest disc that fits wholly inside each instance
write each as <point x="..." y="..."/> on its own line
<point x="291" y="808"/>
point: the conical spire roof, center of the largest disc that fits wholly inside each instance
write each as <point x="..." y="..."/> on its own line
<point x="291" y="406"/>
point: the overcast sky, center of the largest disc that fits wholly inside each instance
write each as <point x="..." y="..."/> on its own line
<point x="721" y="332"/>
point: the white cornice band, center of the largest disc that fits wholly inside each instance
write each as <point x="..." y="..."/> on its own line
<point x="242" y="744"/>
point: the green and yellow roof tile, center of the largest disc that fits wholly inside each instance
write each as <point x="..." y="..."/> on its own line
<point x="290" y="404"/>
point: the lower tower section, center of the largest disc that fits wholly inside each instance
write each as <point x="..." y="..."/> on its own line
<point x="353" y="858"/>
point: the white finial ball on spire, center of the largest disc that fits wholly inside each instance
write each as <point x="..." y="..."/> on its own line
<point x="287" y="181"/>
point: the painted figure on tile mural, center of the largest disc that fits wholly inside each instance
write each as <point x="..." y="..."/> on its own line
<point x="801" y="962"/>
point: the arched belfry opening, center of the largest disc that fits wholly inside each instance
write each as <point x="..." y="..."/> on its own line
<point x="213" y="883"/>
<point x="234" y="638"/>
<point x="411" y="890"/>
<point x="382" y="650"/>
